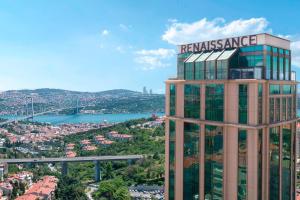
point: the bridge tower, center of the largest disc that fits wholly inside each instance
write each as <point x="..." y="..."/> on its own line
<point x="32" y="110"/>
<point x="77" y="106"/>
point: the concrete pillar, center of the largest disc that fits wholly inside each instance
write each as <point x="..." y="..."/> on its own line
<point x="97" y="171"/>
<point x="64" y="168"/>
<point x="167" y="158"/>
<point x="252" y="170"/>
<point x="179" y="161"/>
<point x="230" y="162"/>
<point x="180" y="100"/>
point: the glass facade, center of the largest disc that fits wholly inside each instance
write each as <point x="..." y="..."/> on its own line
<point x="213" y="180"/>
<point x="180" y="64"/>
<point x="243" y="103"/>
<point x="286" y="161"/>
<point x="189" y="71"/>
<point x="191" y="161"/>
<point x="210" y="70"/>
<point x="222" y="69"/>
<point x="192" y="101"/>
<point x="199" y="70"/>
<point x="252" y="62"/>
<point x="242" y="165"/>
<point x="274" y="89"/>
<point x="214" y="102"/>
<point x="274" y="135"/>
<point x="271" y="110"/>
<point x="172" y="144"/>
<point x="172" y="99"/>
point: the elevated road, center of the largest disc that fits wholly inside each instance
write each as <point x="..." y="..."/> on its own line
<point x="75" y="159"/>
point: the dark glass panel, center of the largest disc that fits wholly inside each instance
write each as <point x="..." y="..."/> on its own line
<point x="242" y="165"/>
<point x="214" y="102"/>
<point x="213" y="188"/>
<point x="192" y="101"/>
<point x="274" y="163"/>
<point x="172" y="99"/>
<point x="172" y="144"/>
<point x="191" y="161"/>
<point x="286" y="161"/>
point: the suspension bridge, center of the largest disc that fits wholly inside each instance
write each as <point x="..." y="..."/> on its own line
<point x="33" y="114"/>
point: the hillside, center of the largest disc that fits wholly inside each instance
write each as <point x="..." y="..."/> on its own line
<point x="110" y="101"/>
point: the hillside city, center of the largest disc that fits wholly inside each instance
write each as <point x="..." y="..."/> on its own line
<point x="30" y="139"/>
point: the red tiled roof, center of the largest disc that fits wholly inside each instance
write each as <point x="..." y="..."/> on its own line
<point x="41" y="189"/>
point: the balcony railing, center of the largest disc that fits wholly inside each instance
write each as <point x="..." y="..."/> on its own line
<point x="245" y="73"/>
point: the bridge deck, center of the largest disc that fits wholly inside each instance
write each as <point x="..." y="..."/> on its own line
<point x="75" y="159"/>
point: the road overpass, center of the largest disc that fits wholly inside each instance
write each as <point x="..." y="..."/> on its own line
<point x="64" y="161"/>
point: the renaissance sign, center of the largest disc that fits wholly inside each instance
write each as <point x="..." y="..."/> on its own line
<point x="227" y="43"/>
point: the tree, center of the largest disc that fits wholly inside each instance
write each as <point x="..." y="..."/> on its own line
<point x="122" y="193"/>
<point x="69" y="188"/>
<point x="113" y="189"/>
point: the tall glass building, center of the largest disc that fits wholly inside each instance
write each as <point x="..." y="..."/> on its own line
<point x="231" y="121"/>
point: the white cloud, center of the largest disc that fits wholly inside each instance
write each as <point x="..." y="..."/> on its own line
<point x="105" y="32"/>
<point x="204" y="29"/>
<point x="295" y="48"/>
<point x="120" y="49"/>
<point x="153" y="59"/>
<point x="125" y="27"/>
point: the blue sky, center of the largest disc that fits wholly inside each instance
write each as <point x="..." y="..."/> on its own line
<point x="98" y="45"/>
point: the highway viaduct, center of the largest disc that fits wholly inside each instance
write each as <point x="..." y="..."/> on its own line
<point x="64" y="161"/>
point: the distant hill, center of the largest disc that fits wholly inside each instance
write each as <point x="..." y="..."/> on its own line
<point x="110" y="101"/>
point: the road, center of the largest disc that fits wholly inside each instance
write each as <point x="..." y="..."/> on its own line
<point x="75" y="159"/>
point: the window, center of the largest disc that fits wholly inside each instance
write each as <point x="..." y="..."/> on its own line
<point x="243" y="103"/>
<point x="277" y="109"/>
<point x="210" y="70"/>
<point x="192" y="101"/>
<point x="274" y="163"/>
<point x="189" y="71"/>
<point x="286" y="89"/>
<point x="199" y="70"/>
<point x="214" y="102"/>
<point x="172" y="142"/>
<point x="289" y="108"/>
<point x="283" y="108"/>
<point x="275" y="71"/>
<point x="268" y="67"/>
<point x="274" y="89"/>
<point x="222" y="69"/>
<point x="286" y="161"/>
<point x="287" y="69"/>
<point x="281" y="67"/>
<point x="180" y="64"/>
<point x="271" y="110"/>
<point x="242" y="165"/>
<point x="252" y="48"/>
<point x="213" y="180"/>
<point x="251" y="61"/>
<point x="191" y="161"/>
<point x="172" y="99"/>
